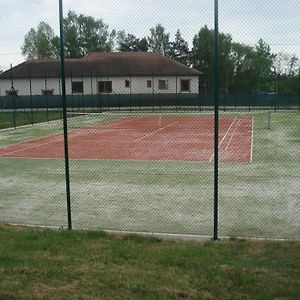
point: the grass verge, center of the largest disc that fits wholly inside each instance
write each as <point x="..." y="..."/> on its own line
<point x="48" y="264"/>
<point x="21" y="118"/>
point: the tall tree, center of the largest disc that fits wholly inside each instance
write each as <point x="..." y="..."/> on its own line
<point x="241" y="57"/>
<point x="130" y="43"/>
<point x="41" y="43"/>
<point x="84" y="34"/>
<point x="202" y="58"/>
<point x="180" y="49"/>
<point x="286" y="63"/>
<point x="159" y="40"/>
<point x="263" y="60"/>
<point x="281" y="63"/>
<point x="293" y="67"/>
<point x="262" y="66"/>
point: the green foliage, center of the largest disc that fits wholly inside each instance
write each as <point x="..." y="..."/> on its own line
<point x="130" y="43"/>
<point x="159" y="40"/>
<point x="242" y="57"/>
<point x="261" y="66"/>
<point x="203" y="52"/>
<point x="180" y="49"/>
<point x="41" y="43"/>
<point x="84" y="34"/>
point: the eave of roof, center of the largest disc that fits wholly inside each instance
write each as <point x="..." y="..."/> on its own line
<point x="103" y="65"/>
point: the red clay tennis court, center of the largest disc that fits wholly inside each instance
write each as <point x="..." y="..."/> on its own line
<point x="166" y="138"/>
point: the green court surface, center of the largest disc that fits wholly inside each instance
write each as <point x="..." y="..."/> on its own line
<point x="259" y="198"/>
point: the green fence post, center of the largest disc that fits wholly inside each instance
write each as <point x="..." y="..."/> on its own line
<point x="216" y="127"/>
<point x="63" y="82"/>
<point x="31" y="102"/>
<point x="46" y="94"/>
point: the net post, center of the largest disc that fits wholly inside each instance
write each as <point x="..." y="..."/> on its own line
<point x="269" y="119"/>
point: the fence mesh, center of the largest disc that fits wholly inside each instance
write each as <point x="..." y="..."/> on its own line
<point x="140" y="118"/>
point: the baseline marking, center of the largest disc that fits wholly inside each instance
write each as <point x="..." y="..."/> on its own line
<point x="31" y="147"/>
<point x="252" y="141"/>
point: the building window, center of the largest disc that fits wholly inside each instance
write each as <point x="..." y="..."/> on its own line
<point x="127" y="83"/>
<point x="77" y="87"/>
<point x="149" y="83"/>
<point x="162" y="84"/>
<point x="185" y="85"/>
<point x="47" y="92"/>
<point x="104" y="86"/>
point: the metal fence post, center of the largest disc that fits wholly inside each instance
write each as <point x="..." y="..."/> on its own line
<point x="64" y="102"/>
<point x="216" y="127"/>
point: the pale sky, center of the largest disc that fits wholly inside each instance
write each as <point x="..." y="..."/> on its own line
<point x="275" y="21"/>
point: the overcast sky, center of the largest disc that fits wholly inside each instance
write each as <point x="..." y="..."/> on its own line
<point x="275" y="21"/>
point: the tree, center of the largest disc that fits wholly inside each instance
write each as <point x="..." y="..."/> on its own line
<point x="84" y="34"/>
<point x="41" y="43"/>
<point x="263" y="60"/>
<point x="130" y="43"/>
<point x="262" y="67"/>
<point x="241" y="57"/>
<point x="293" y="68"/>
<point x="202" y="58"/>
<point x="286" y="71"/>
<point x="286" y="63"/>
<point x="180" y="49"/>
<point x="159" y="41"/>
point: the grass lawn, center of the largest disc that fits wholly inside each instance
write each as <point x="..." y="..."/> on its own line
<point x="20" y="118"/>
<point x="58" y="264"/>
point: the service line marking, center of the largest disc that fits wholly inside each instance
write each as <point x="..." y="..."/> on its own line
<point x="224" y="137"/>
<point x="232" y="135"/>
<point x="156" y="131"/>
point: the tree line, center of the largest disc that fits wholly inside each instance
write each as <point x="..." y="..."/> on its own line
<point x="243" y="68"/>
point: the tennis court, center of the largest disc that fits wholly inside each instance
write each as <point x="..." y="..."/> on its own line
<point x="153" y="172"/>
<point x="147" y="138"/>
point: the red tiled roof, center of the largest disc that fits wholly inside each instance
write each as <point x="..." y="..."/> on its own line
<point x="103" y="64"/>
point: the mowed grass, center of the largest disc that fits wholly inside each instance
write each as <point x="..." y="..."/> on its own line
<point x="10" y="119"/>
<point x="59" y="264"/>
<point x="258" y="199"/>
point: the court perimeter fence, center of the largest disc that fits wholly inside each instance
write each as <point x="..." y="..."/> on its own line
<point x="101" y="102"/>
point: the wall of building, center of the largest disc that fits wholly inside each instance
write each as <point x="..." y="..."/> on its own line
<point x="137" y="85"/>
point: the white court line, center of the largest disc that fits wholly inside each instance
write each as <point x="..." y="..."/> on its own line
<point x="31" y="147"/>
<point x="79" y="132"/>
<point x="151" y="133"/>
<point x="71" y="134"/>
<point x="223" y="138"/>
<point x="232" y="135"/>
<point x="252" y="141"/>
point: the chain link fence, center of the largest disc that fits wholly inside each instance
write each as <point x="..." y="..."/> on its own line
<point x="140" y="108"/>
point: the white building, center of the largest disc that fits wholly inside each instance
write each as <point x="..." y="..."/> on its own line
<point x="108" y="73"/>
